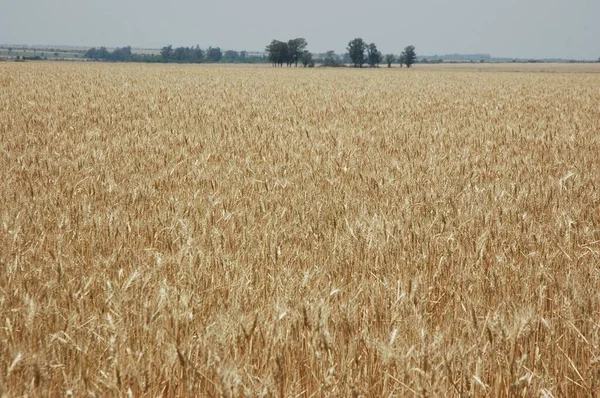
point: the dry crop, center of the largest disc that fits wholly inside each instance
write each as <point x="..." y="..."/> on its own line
<point x="195" y="230"/>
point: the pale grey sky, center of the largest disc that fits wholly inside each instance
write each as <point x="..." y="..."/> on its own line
<point x="502" y="28"/>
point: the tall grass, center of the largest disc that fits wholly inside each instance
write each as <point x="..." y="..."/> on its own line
<point x="182" y="230"/>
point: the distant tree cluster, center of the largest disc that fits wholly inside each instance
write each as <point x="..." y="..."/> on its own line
<point x="361" y="53"/>
<point x="289" y="53"/>
<point x="184" y="54"/>
<point x="191" y="54"/>
<point x="278" y="53"/>
<point x="118" y="54"/>
<point x="175" y="55"/>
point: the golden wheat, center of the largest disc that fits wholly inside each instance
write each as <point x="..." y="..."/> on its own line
<point x="192" y="230"/>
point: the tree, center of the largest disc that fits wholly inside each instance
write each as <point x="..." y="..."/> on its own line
<point x="307" y="58"/>
<point x="179" y="54"/>
<point x="213" y="54"/>
<point x="356" y="48"/>
<point x="295" y="49"/>
<point x="331" y="59"/>
<point x="374" y="56"/>
<point x="389" y="60"/>
<point x="278" y="52"/>
<point x="103" y="53"/>
<point x="91" y="53"/>
<point x="271" y="50"/>
<point x="197" y="54"/>
<point x="167" y="52"/>
<point x="409" y="56"/>
<point x="121" y="54"/>
<point x="231" y="56"/>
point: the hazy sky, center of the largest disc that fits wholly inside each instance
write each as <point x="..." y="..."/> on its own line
<point x="503" y="28"/>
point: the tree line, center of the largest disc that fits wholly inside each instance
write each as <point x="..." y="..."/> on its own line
<point x="175" y="55"/>
<point x="118" y="54"/>
<point x="359" y="53"/>
<point x="290" y="53"/>
<point x="191" y="54"/>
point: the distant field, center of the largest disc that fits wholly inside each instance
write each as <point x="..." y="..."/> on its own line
<point x="244" y="231"/>
<point x="516" y="67"/>
<point x="7" y="53"/>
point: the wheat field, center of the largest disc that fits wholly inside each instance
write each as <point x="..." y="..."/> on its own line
<point x="228" y="231"/>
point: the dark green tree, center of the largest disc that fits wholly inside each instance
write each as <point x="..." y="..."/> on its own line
<point x="295" y="49"/>
<point x="401" y="60"/>
<point x="97" y="53"/>
<point x="356" y="49"/>
<point x="307" y="58"/>
<point x="92" y="53"/>
<point x="278" y="53"/>
<point x="179" y="54"/>
<point x="271" y="50"/>
<point x="374" y="56"/>
<point x="213" y="54"/>
<point x="409" y="56"/>
<point x="197" y="54"/>
<point x="121" y="54"/>
<point x="389" y="60"/>
<point x="103" y="53"/>
<point x="167" y="52"/>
